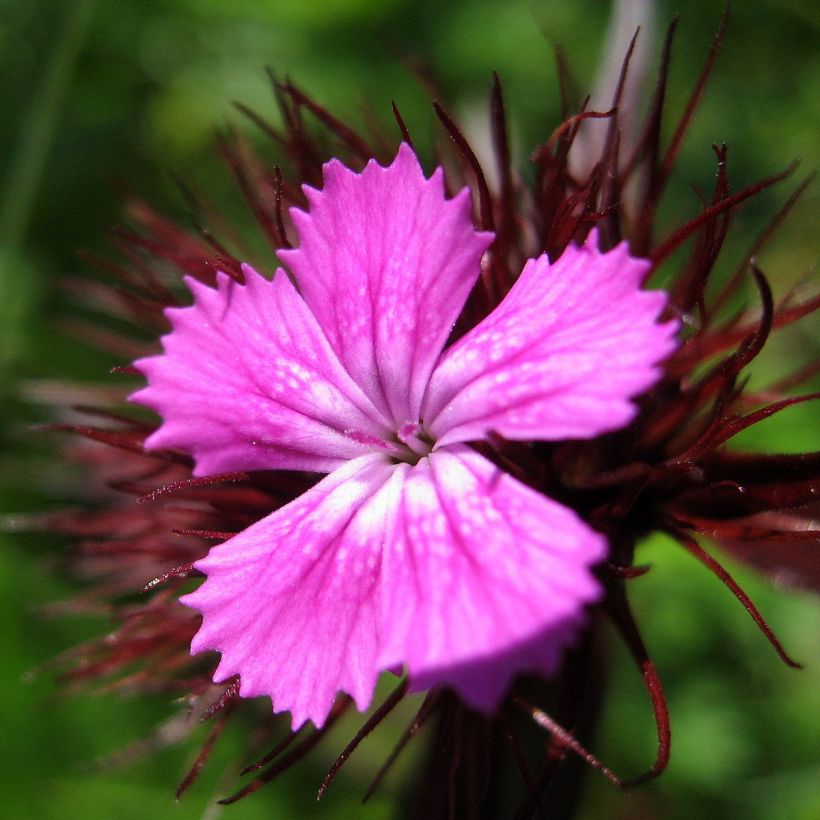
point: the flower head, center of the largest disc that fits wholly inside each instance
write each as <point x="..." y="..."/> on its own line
<point x="416" y="550"/>
<point x="501" y="416"/>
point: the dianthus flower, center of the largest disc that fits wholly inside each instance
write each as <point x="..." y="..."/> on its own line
<point x="429" y="444"/>
<point x="416" y="550"/>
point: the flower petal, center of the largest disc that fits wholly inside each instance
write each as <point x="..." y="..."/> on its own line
<point x="385" y="263"/>
<point x="248" y="381"/>
<point x="560" y="357"/>
<point x="484" y="577"/>
<point x="449" y="567"/>
<point x="292" y="602"/>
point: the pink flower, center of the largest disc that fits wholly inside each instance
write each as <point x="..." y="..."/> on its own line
<point x="416" y="550"/>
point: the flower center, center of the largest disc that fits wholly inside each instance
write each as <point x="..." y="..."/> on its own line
<point x="414" y="443"/>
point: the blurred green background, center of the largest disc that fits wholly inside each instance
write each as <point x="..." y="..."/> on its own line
<point x="105" y="97"/>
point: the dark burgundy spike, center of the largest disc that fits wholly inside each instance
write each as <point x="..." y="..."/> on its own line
<point x="444" y="763"/>
<point x="551" y="182"/>
<point x="126" y="370"/>
<point x="506" y="258"/>
<point x="228" y="698"/>
<point x="96" y="336"/>
<point x="722" y="379"/>
<point x="567" y="130"/>
<point x="166" y="240"/>
<point x="283" y="764"/>
<point x="223" y="260"/>
<point x="636" y="470"/>
<point x="720" y="572"/>
<point x="501" y="145"/>
<point x="185" y="484"/>
<point x="179" y="509"/>
<point x="210" y="535"/>
<point x="533" y="806"/>
<point x="669" y="245"/>
<point x="751" y="346"/>
<point x="750" y="343"/>
<point x="672" y="151"/>
<point x="100" y="412"/>
<point x="626" y="572"/>
<point x="280" y="747"/>
<point x="761" y="468"/>
<point x="743" y="531"/>
<point x="354" y="141"/>
<point x="128" y="243"/>
<point x="611" y="182"/>
<point x="790" y="381"/>
<point x="454" y="749"/>
<point x="198" y="220"/>
<point x="648" y="150"/>
<point x="425" y="710"/>
<point x="652" y="682"/>
<point x="187" y="194"/>
<point x="563" y="215"/>
<point x="386" y="707"/>
<point x="515" y="460"/>
<point x="140" y="683"/>
<point x="130" y="440"/>
<point x="126" y="486"/>
<point x="566" y="741"/>
<point x="589" y="214"/>
<point x="142" y="278"/>
<point x="714" y="499"/>
<point x="277" y="193"/>
<point x="205" y="751"/>
<point x="133" y="244"/>
<point x="786" y="316"/>
<point x="487" y="222"/>
<point x="129" y="650"/>
<point x="405" y="133"/>
<point x="569" y="220"/>
<point x="261" y="123"/>
<point x="733" y="426"/>
<point x="247" y="175"/>
<point x="700" y="349"/>
<point x="300" y="148"/>
<point x="788" y="561"/>
<point x="228" y="265"/>
<point x="554" y="756"/>
<point x="618" y="609"/>
<point x="144" y="311"/>
<point x="621" y="84"/>
<point x="477" y="765"/>
<point x="381" y="142"/>
<point x="99" y="297"/>
<point x="760" y="241"/>
<point x="688" y="291"/>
